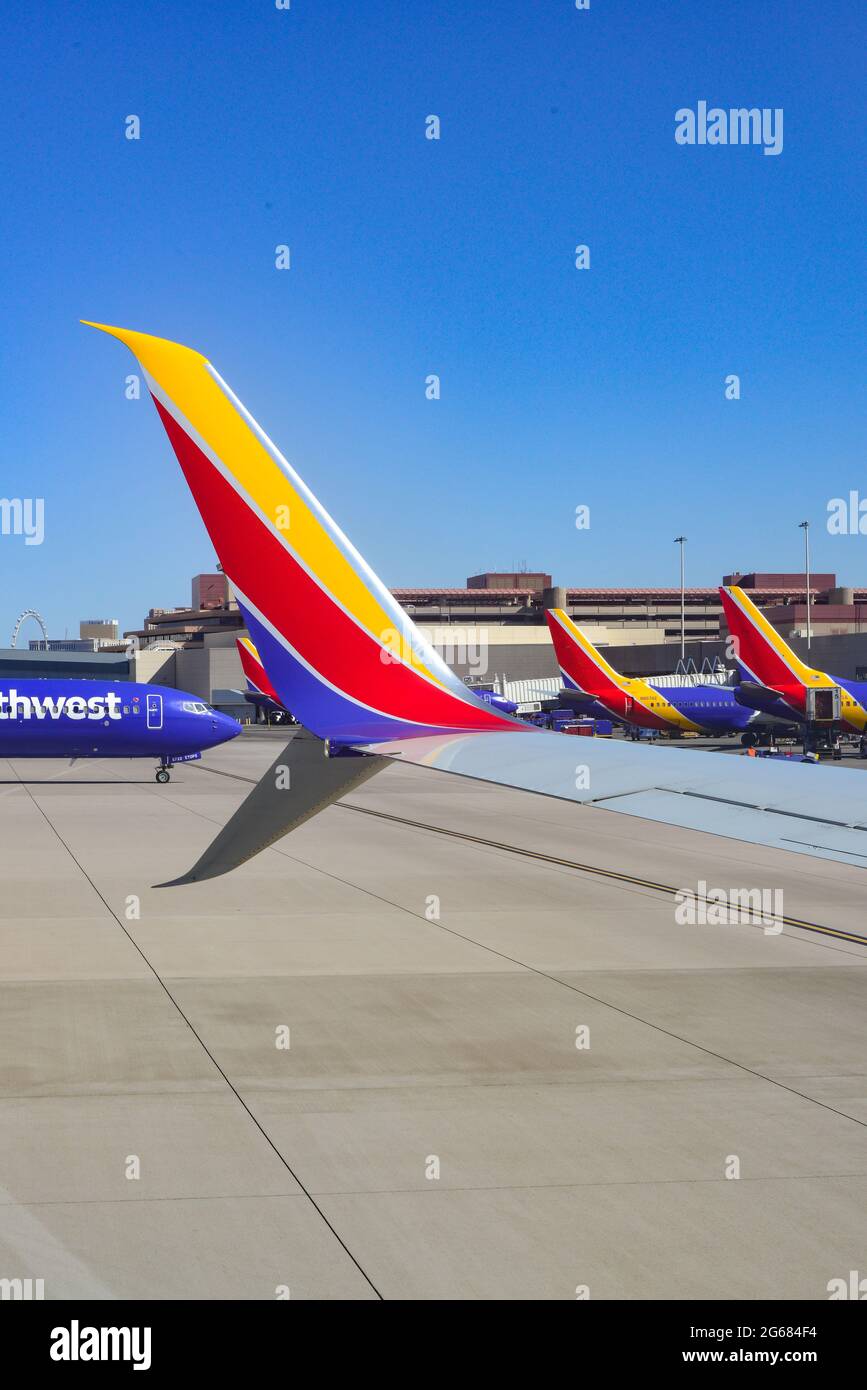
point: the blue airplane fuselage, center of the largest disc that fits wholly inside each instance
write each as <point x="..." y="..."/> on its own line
<point x="497" y="701"/>
<point x="714" y="707"/>
<point x="106" y="719"/>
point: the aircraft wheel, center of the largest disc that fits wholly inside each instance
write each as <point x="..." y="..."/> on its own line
<point x="163" y="776"/>
<point x="749" y="739"/>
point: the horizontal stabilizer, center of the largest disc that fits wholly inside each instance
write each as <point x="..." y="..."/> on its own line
<point x="301" y="781"/>
<point x="576" y="699"/>
<point x="752" y="695"/>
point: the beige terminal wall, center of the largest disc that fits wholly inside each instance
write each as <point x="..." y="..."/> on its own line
<point x="154" y="667"/>
<point x="478" y="652"/>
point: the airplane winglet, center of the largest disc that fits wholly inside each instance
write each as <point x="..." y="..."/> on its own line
<point x="339" y="650"/>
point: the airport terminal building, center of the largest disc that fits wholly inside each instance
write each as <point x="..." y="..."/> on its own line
<point x="492" y="629"/>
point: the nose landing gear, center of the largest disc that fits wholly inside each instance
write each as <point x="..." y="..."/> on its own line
<point x="163" y="775"/>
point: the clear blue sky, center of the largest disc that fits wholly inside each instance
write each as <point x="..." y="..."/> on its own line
<point x="559" y="387"/>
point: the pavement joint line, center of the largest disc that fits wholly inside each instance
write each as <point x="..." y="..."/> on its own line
<point x="327" y="1088"/>
<point x="581" y="1186"/>
<point x="436" y="1192"/>
<point x="203" y="1045"/>
<point x="190" y="1197"/>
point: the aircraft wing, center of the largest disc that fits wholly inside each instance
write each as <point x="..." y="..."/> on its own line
<point x="347" y="660"/>
<point x="802" y="808"/>
<point x="799" y="806"/>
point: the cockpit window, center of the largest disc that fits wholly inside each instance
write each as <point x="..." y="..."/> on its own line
<point x="194" y="707"/>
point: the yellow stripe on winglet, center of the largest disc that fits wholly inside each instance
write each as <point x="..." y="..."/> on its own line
<point x="182" y="374"/>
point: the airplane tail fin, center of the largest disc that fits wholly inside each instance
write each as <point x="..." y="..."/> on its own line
<point x="254" y="672"/>
<point x="758" y="649"/>
<point x="340" y="652"/>
<point x="581" y="665"/>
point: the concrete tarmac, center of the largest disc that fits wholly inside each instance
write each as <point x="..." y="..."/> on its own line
<point x="378" y="1061"/>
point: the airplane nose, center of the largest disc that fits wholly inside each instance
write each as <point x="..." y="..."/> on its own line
<point x="224" y="727"/>
<point x="231" y="728"/>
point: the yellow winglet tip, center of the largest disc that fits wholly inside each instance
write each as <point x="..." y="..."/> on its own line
<point x="157" y="355"/>
<point x="122" y="333"/>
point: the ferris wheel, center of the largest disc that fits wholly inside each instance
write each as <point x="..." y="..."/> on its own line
<point x="37" y="618"/>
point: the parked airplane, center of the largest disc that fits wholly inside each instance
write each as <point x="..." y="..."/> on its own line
<point x="594" y="687"/>
<point x="107" y="719"/>
<point x="775" y="676"/>
<point x="355" y="671"/>
<point x="500" y="702"/>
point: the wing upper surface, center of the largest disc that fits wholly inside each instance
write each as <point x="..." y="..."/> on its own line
<point x="795" y="806"/>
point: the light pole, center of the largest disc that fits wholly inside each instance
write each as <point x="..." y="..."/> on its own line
<point x="681" y="541"/>
<point x="805" y="527"/>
